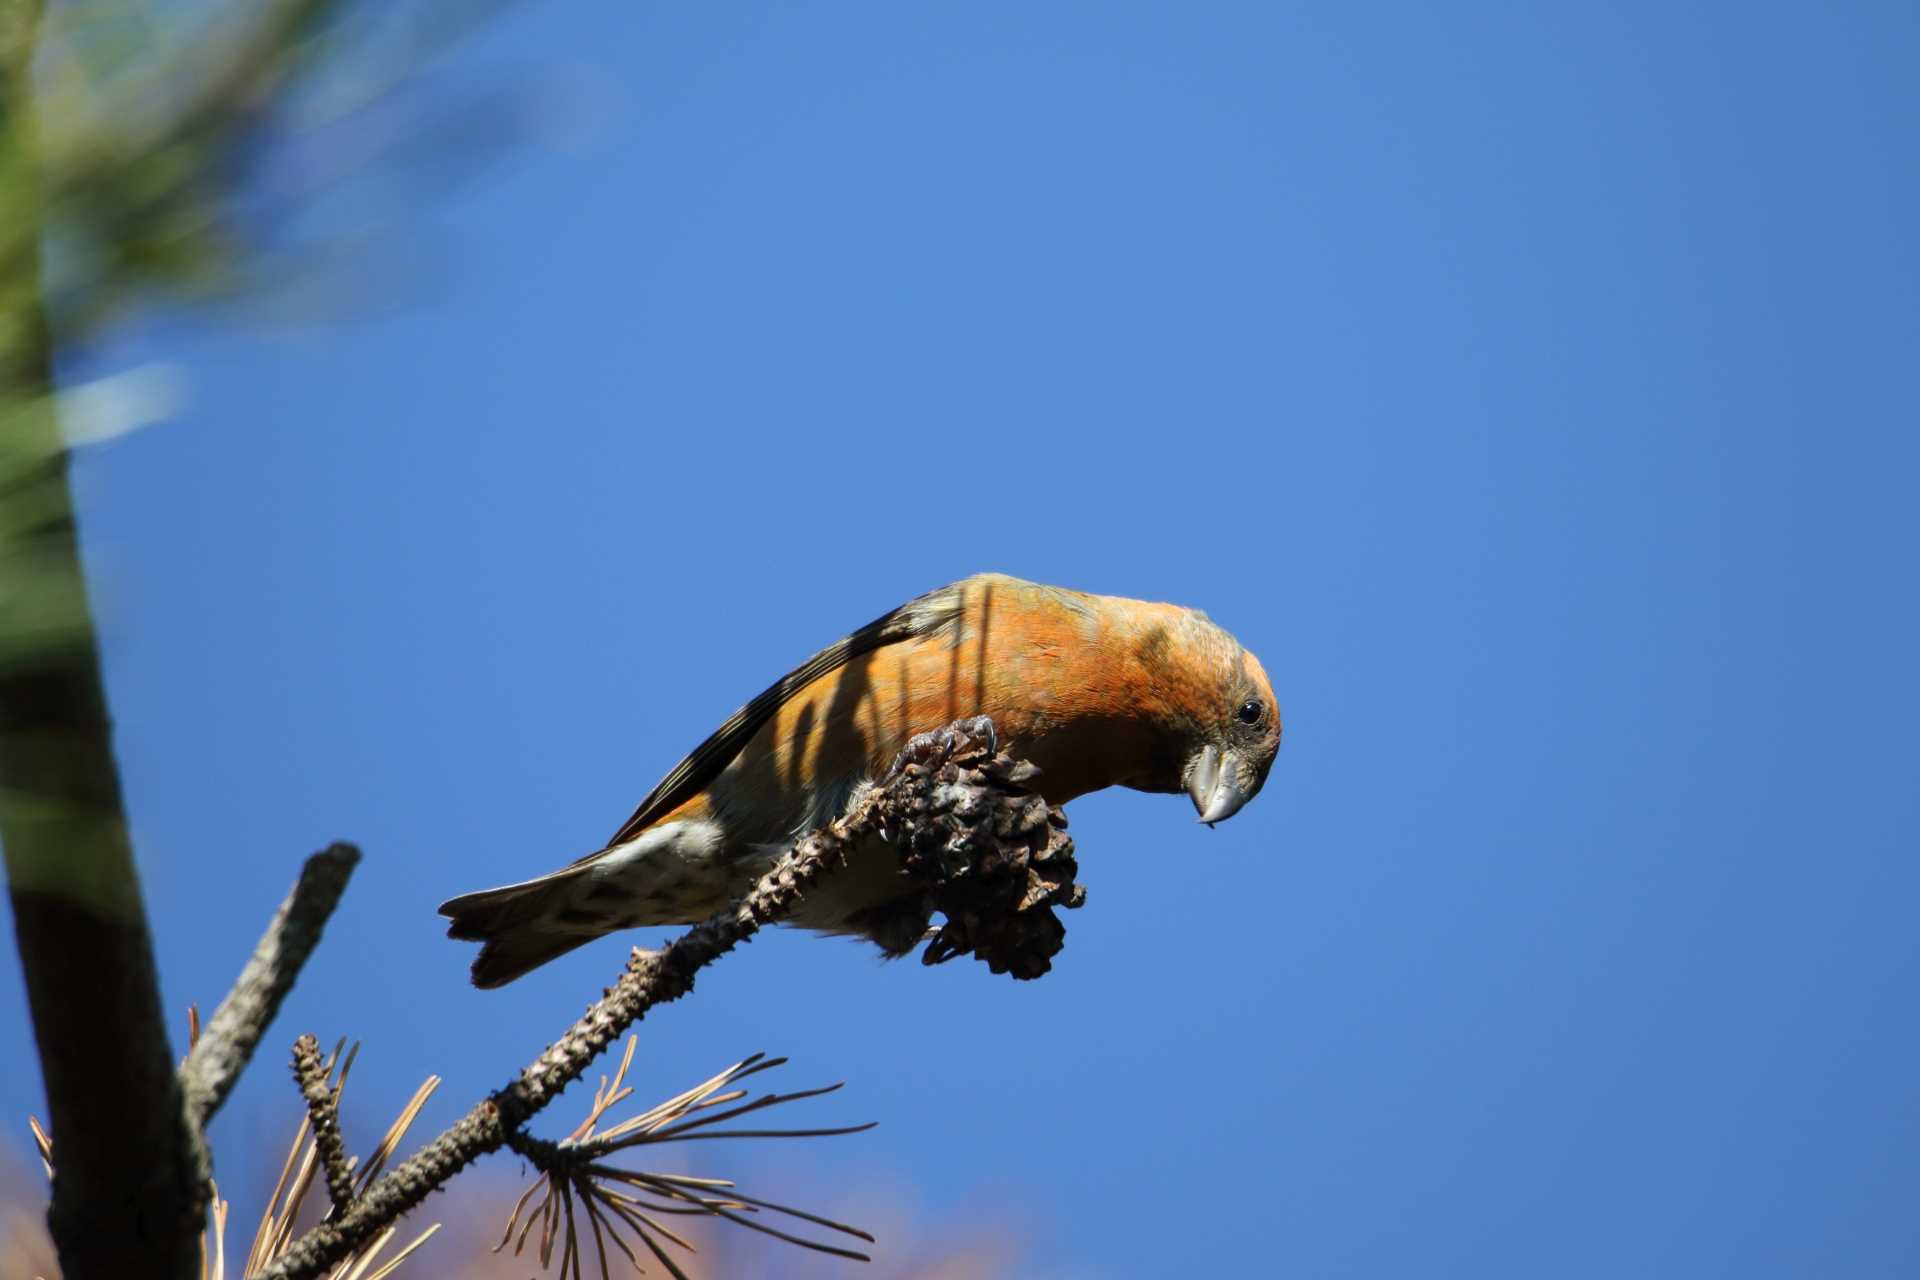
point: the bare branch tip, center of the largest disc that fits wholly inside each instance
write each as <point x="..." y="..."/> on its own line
<point x="224" y="1046"/>
<point x="322" y="1096"/>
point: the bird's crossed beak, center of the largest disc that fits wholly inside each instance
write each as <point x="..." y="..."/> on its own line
<point x="1219" y="782"/>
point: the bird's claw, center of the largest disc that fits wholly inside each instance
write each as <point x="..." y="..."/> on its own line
<point x="936" y="747"/>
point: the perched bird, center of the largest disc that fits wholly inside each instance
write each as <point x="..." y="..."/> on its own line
<point x="1098" y="691"/>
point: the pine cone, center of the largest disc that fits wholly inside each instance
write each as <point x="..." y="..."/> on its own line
<point x="994" y="856"/>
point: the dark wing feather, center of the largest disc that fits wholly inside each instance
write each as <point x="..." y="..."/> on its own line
<point x="927" y="615"/>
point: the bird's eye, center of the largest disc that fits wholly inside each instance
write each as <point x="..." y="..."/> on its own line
<point x="1250" y="712"/>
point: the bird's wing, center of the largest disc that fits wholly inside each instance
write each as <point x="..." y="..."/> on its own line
<point x="926" y="615"/>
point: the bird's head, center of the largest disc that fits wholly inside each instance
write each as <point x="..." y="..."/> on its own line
<point x="1217" y="721"/>
<point x="1234" y="746"/>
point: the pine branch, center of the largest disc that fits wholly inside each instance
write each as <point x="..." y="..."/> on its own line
<point x="651" y="978"/>
<point x="969" y="829"/>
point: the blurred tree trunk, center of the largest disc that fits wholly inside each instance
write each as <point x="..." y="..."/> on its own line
<point x="129" y="1190"/>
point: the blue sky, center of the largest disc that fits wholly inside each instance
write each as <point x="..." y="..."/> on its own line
<point x="1531" y="387"/>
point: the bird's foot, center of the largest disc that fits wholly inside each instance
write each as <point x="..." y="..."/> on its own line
<point x="933" y="749"/>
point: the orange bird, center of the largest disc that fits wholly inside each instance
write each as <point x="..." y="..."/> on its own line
<point x="1098" y="691"/>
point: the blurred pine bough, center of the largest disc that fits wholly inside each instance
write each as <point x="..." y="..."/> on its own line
<point x="242" y="162"/>
<point x="227" y="154"/>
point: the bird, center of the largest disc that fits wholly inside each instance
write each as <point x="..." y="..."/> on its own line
<point x="1096" y="691"/>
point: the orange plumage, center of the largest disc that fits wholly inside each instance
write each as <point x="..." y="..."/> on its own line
<point x="1097" y="691"/>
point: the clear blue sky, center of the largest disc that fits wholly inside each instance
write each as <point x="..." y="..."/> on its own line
<point x="1532" y="387"/>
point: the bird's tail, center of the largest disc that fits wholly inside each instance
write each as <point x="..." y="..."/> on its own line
<point x="522" y="925"/>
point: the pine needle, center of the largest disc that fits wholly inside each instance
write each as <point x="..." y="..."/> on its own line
<point x="575" y="1170"/>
